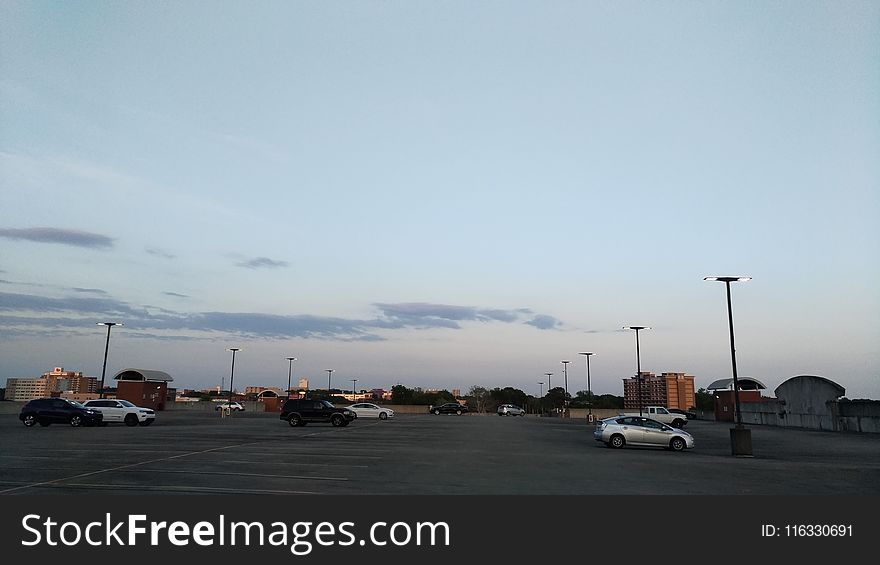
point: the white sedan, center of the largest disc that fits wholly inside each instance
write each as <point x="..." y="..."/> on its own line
<point x="122" y="411"/>
<point x="367" y="410"/>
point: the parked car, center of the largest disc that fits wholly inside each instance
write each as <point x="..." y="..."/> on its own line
<point x="46" y="411"/>
<point x="302" y="411"/>
<point x="368" y="410"/>
<point x="449" y="408"/>
<point x="510" y="410"/>
<point x="635" y="430"/>
<point x="226" y="405"/>
<point x="689" y="414"/>
<point x="116" y="410"/>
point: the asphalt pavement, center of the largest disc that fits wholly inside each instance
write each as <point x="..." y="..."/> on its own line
<point x="256" y="453"/>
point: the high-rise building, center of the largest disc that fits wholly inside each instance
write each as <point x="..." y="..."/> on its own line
<point x="672" y="390"/>
<point x="51" y="383"/>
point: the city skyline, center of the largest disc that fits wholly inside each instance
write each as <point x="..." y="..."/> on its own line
<point x="440" y="194"/>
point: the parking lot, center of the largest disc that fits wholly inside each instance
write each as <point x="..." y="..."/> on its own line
<point x="256" y="453"/>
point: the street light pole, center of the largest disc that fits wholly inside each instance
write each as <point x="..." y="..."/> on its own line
<point x="106" y="349"/>
<point x="638" y="361"/>
<point x="353" y="388"/>
<point x="589" y="388"/>
<point x="541" y="398"/>
<point x="329" y="372"/>
<point x="290" y="361"/>
<point x="548" y="375"/>
<point x="232" y="373"/>
<point x="741" y="438"/>
<point x="565" y="399"/>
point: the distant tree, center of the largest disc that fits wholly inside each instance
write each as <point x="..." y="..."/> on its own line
<point x="506" y="395"/>
<point x="704" y="400"/>
<point x="477" y="397"/>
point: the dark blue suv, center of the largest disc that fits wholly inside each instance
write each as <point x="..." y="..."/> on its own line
<point x="45" y="411"/>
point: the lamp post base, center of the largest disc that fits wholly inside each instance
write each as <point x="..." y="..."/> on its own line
<point x="741" y="442"/>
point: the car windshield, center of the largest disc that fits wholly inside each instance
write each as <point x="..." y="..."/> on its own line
<point x="328" y="404"/>
<point x="75" y="403"/>
<point x="126" y="403"/>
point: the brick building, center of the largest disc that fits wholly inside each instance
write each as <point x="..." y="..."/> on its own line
<point x="672" y="390"/>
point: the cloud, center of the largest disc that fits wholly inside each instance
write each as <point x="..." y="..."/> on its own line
<point x="175" y="294"/>
<point x="89" y="290"/>
<point x="544" y="322"/>
<point x="39" y="314"/>
<point x="262" y="263"/>
<point x="56" y="235"/>
<point x="156" y="252"/>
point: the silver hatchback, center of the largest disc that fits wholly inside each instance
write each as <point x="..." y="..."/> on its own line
<point x="640" y="431"/>
<point x="510" y="410"/>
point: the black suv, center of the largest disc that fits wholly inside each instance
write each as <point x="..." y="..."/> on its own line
<point x="299" y="412"/>
<point x="47" y="411"/>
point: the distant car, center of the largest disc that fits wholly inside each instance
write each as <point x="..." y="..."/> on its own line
<point x="302" y="411"/>
<point x="450" y="408"/>
<point x="368" y="410"/>
<point x="115" y="410"/>
<point x="639" y="431"/>
<point x="233" y="406"/>
<point x="510" y="410"/>
<point x="689" y="414"/>
<point x="46" y="411"/>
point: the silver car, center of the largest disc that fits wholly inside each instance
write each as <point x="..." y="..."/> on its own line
<point x="637" y="430"/>
<point x="510" y="410"/>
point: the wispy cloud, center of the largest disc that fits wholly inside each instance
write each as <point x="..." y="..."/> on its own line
<point x="544" y="322"/>
<point x="262" y="263"/>
<point x="57" y="235"/>
<point x="89" y="290"/>
<point x="175" y="294"/>
<point x="156" y="252"/>
<point x="27" y="313"/>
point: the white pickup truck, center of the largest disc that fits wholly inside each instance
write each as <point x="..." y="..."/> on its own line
<point x="660" y="414"/>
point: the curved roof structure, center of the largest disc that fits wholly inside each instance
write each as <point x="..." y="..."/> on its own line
<point x="745" y="383"/>
<point x="839" y="390"/>
<point x="142" y="375"/>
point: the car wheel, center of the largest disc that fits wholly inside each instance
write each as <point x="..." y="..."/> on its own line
<point x="337" y="420"/>
<point x="677" y="423"/>
<point x="617" y="441"/>
<point x="76" y="420"/>
<point x="522" y="413"/>
<point x="436" y="412"/>
<point x="131" y="420"/>
<point x="677" y="444"/>
<point x="294" y="420"/>
<point x="29" y="420"/>
<point x="458" y="412"/>
<point x="383" y="416"/>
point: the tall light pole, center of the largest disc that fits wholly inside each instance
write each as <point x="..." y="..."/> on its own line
<point x="353" y="388"/>
<point x="565" y="399"/>
<point x="541" y="398"/>
<point x="589" y="388"/>
<point x="106" y="349"/>
<point x="290" y="361"/>
<point x="329" y="372"/>
<point x="740" y="437"/>
<point x="548" y="375"/>
<point x="232" y="372"/>
<point x="638" y="360"/>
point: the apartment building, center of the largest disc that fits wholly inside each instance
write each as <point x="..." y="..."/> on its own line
<point x="672" y="390"/>
<point x="51" y="383"/>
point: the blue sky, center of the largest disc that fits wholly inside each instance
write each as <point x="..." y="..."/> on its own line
<point x="440" y="194"/>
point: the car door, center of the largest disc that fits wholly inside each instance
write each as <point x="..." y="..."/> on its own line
<point x="57" y="410"/>
<point x="654" y="433"/>
<point x="368" y="411"/>
<point x="115" y="411"/>
<point x="633" y="430"/>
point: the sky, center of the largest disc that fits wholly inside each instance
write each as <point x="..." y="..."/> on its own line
<point x="440" y="194"/>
